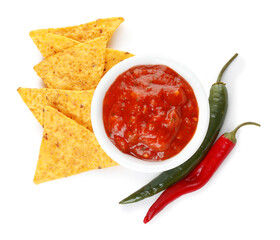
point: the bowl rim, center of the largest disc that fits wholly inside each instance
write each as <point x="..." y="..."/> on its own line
<point x="130" y="161"/>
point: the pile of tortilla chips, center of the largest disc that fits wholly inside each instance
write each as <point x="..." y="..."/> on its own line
<point x="75" y="59"/>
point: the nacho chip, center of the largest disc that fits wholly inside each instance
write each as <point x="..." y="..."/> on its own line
<point x="67" y="148"/>
<point x="112" y="57"/>
<point x="55" y="43"/>
<point x="76" y="68"/>
<point x="74" y="104"/>
<point x="82" y="33"/>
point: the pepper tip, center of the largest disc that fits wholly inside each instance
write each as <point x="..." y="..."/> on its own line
<point x="146" y="219"/>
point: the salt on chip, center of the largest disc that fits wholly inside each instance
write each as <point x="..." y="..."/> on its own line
<point x="76" y="68"/>
<point x="73" y="104"/>
<point x="113" y="56"/>
<point x="81" y="33"/>
<point x="67" y="148"/>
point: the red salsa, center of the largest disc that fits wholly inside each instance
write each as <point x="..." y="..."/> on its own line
<point x="150" y="112"/>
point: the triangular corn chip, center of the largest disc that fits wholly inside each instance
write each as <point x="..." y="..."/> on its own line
<point x="82" y="33"/>
<point x="55" y="43"/>
<point x="67" y="148"/>
<point x="112" y="57"/>
<point x="76" y="68"/>
<point x="74" y="104"/>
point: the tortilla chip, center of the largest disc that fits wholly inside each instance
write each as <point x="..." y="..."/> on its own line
<point x="74" y="104"/>
<point x="67" y="148"/>
<point x="112" y="57"/>
<point x="76" y="68"/>
<point x="55" y="43"/>
<point x="82" y="33"/>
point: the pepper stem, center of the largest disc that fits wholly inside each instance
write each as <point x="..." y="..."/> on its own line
<point x="231" y="135"/>
<point x="225" y="67"/>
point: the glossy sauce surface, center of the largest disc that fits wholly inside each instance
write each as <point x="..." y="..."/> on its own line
<point x="150" y="112"/>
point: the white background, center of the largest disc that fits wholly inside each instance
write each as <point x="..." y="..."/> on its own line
<point x="242" y="199"/>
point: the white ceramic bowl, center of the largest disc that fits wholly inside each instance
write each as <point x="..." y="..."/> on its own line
<point x="127" y="160"/>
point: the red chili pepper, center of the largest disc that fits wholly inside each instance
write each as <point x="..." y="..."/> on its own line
<point x="200" y="175"/>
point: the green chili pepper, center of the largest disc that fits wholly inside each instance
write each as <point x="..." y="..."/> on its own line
<point x="218" y="102"/>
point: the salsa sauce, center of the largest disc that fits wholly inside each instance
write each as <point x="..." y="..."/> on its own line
<point x="150" y="112"/>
